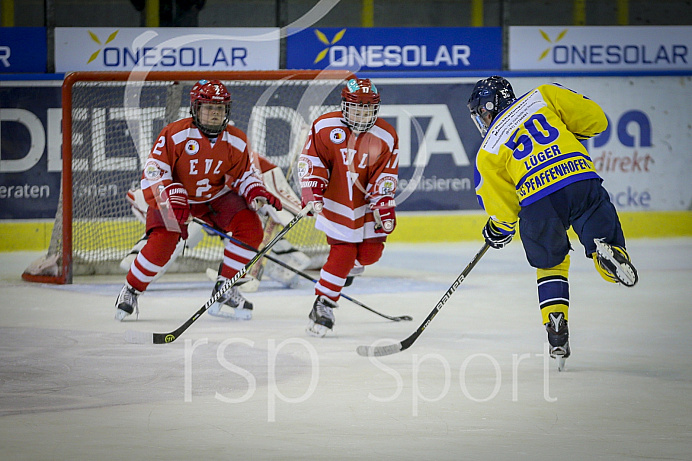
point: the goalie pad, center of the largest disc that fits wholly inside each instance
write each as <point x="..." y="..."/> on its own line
<point x="135" y="197"/>
<point x="275" y="182"/>
<point x="288" y="254"/>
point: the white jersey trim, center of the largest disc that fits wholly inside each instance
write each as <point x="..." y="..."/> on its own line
<point x="182" y="135"/>
<point x="328" y="122"/>
<point x="343" y="210"/>
<point x="234" y="141"/>
<point x="384" y="135"/>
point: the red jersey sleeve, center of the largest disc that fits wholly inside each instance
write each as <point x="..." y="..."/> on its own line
<point x="158" y="168"/>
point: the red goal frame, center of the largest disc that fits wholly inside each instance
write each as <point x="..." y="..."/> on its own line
<point x="65" y="273"/>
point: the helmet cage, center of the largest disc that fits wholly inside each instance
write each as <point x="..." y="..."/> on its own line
<point x="360" y="117"/>
<point x="360" y="104"/>
<point x="210" y="92"/>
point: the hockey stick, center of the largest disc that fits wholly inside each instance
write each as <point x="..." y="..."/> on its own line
<point x="294" y="270"/>
<point x="164" y="338"/>
<point x="377" y="351"/>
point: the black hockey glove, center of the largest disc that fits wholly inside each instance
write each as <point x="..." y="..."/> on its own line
<point x="494" y="237"/>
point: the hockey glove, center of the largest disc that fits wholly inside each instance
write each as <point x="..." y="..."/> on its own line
<point x="494" y="236"/>
<point x="312" y="191"/>
<point x="383" y="211"/>
<point x="257" y="195"/>
<point x="175" y="197"/>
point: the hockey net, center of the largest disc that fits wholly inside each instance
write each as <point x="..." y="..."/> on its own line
<point x="110" y="121"/>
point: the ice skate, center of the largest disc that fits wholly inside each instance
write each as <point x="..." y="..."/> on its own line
<point x="321" y="317"/>
<point x="558" y="338"/>
<point x="126" y="303"/>
<point x="614" y="265"/>
<point x="231" y="305"/>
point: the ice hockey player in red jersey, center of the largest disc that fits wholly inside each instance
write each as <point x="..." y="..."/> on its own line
<point x="349" y="169"/>
<point x="199" y="166"/>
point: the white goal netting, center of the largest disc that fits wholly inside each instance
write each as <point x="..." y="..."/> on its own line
<point x="114" y="124"/>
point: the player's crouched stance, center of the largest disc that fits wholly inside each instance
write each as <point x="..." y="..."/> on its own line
<point x="348" y="169"/>
<point x="532" y="169"/>
<point x="199" y="166"/>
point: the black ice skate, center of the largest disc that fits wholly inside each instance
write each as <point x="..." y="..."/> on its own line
<point x="558" y="338"/>
<point x="231" y="305"/>
<point x="321" y="317"/>
<point x="126" y="303"/>
<point x="614" y="264"/>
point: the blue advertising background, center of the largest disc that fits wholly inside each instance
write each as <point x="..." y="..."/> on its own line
<point x="439" y="182"/>
<point x="437" y="111"/>
<point x="23" y="49"/>
<point x="32" y="193"/>
<point x="437" y="143"/>
<point x="395" y="48"/>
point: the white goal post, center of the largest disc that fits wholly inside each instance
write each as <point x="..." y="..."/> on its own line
<point x="110" y="121"/>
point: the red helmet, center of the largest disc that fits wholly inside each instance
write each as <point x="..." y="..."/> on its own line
<point x="360" y="103"/>
<point x="210" y="92"/>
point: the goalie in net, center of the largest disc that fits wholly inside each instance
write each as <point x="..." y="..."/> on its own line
<point x="110" y="121"/>
<point x="199" y="166"/>
<point x="276" y="183"/>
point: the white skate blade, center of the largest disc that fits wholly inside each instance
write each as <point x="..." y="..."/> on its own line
<point x="560" y="363"/>
<point x="120" y="315"/>
<point x="242" y="314"/>
<point x="139" y="337"/>
<point x="227" y="312"/>
<point x="317" y="330"/>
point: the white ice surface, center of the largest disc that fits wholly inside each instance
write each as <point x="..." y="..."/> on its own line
<point x="474" y="386"/>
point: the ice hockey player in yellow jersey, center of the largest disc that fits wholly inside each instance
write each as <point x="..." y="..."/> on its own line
<point x="531" y="169"/>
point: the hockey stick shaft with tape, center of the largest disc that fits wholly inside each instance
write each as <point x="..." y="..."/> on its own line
<point x="164" y="338"/>
<point x="295" y="271"/>
<point x="378" y="351"/>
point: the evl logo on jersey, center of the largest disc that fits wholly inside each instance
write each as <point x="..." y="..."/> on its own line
<point x="395" y="48"/>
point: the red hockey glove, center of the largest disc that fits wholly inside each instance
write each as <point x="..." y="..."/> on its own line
<point x="175" y="197"/>
<point x="312" y="191"/>
<point x="256" y="196"/>
<point x="383" y="211"/>
<point x="494" y="236"/>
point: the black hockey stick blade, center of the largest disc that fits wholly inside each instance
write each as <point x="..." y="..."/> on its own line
<point x="165" y="338"/>
<point x="379" y="351"/>
<point x="295" y="271"/>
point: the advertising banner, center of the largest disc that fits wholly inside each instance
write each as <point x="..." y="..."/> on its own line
<point x="30" y="140"/>
<point x="125" y="49"/>
<point x="644" y="156"/>
<point x="23" y="49"/>
<point x="395" y="48"/>
<point x="600" y="48"/>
